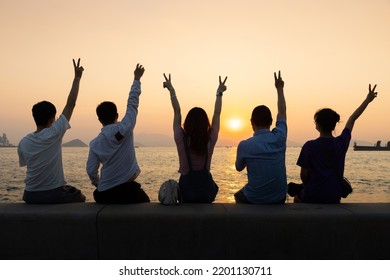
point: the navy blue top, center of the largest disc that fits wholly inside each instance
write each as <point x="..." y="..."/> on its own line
<point x="324" y="158"/>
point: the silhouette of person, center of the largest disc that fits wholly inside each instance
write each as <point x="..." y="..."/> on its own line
<point x="322" y="160"/>
<point x="264" y="154"/>
<point x="114" y="149"/>
<point x="41" y="151"/>
<point x="195" y="143"/>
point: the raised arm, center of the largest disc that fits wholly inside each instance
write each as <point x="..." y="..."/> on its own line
<point x="130" y="118"/>
<point x="356" y="114"/>
<point x="175" y="103"/>
<point x="279" y="84"/>
<point x="74" y="91"/>
<point x="215" y="123"/>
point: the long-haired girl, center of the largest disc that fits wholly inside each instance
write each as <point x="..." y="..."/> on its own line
<point x="195" y="143"/>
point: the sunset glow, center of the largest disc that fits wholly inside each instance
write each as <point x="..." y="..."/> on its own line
<point x="235" y="124"/>
<point x="327" y="51"/>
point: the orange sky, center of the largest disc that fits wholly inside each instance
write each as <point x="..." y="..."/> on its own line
<point x="328" y="52"/>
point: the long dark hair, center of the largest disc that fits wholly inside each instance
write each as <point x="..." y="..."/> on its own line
<point x="196" y="129"/>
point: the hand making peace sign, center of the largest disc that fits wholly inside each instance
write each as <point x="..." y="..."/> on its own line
<point x="279" y="83"/>
<point x="78" y="70"/>
<point x="167" y="84"/>
<point x="371" y="93"/>
<point x="222" y="87"/>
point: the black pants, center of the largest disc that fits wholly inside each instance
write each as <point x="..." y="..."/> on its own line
<point x="198" y="187"/>
<point x="241" y="198"/>
<point x="295" y="189"/>
<point x="64" y="194"/>
<point x="129" y="192"/>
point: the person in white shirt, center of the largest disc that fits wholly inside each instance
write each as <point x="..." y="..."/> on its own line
<point x="114" y="149"/>
<point x="41" y="151"/>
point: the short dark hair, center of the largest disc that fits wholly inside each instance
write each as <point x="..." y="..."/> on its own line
<point x="327" y="119"/>
<point x="261" y="116"/>
<point x="107" y="112"/>
<point x="43" y="112"/>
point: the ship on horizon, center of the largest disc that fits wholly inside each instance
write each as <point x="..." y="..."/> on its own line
<point x="376" y="147"/>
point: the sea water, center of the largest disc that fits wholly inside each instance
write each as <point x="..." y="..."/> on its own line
<point x="368" y="172"/>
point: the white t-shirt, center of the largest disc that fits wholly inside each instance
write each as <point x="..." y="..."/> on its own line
<point x="41" y="152"/>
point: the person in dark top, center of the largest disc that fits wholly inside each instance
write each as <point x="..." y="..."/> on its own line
<point x="322" y="159"/>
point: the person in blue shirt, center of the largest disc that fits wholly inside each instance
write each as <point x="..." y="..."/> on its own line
<point x="264" y="154"/>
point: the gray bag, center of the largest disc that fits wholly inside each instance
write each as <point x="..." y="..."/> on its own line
<point x="169" y="193"/>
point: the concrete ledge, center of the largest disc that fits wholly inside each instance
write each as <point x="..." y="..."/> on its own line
<point x="55" y="231"/>
<point x="195" y="231"/>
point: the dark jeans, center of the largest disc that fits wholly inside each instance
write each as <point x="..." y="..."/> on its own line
<point x="129" y="192"/>
<point x="64" y="194"/>
<point x="198" y="187"/>
<point x="241" y="198"/>
<point x="295" y="189"/>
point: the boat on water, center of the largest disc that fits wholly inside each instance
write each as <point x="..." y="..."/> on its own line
<point x="376" y="147"/>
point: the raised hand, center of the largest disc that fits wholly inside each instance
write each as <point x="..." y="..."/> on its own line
<point x="356" y="114"/>
<point x="138" y="72"/>
<point x="78" y="70"/>
<point x="279" y="83"/>
<point x="222" y="87"/>
<point x="74" y="91"/>
<point x="168" y="84"/>
<point x="372" y="94"/>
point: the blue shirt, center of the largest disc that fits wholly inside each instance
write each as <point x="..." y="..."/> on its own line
<point x="324" y="158"/>
<point x="264" y="156"/>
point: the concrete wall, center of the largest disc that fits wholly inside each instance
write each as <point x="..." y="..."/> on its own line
<point x="194" y="231"/>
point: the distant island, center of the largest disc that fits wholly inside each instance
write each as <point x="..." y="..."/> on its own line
<point x="75" y="143"/>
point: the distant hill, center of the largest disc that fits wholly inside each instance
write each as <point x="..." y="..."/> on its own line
<point x="138" y="144"/>
<point x="75" y="143"/>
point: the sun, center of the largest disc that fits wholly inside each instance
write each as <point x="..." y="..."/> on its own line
<point x="235" y="124"/>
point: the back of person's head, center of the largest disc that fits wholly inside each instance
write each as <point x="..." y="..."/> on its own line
<point x="107" y="112"/>
<point x="43" y="112"/>
<point x="261" y="116"/>
<point x="326" y="119"/>
<point x="196" y="128"/>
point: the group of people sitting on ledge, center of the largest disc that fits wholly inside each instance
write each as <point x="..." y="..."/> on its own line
<point x="113" y="169"/>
